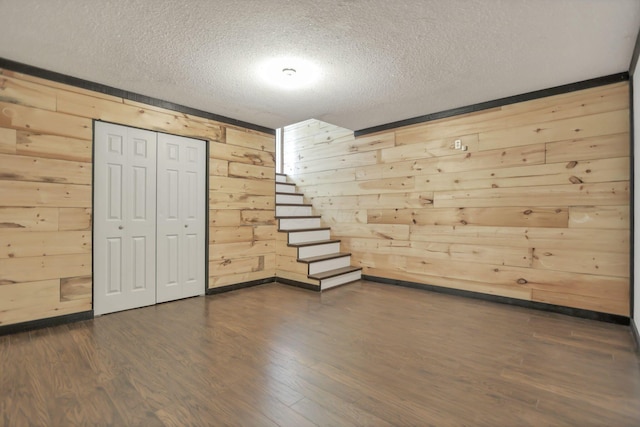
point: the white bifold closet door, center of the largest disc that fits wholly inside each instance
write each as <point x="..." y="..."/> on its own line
<point x="181" y="217"/>
<point x="149" y="218"/>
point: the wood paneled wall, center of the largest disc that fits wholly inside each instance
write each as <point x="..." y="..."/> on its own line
<point x="537" y="208"/>
<point x="46" y="194"/>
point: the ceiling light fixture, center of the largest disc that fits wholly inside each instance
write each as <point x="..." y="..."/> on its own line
<point x="288" y="73"/>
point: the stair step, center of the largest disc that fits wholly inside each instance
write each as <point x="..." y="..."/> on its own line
<point x="309" y="235"/>
<point x="280" y="177"/>
<point x="290" y="209"/>
<point x="298" y="223"/>
<point x="341" y="279"/>
<point x="317" y="242"/>
<point x="334" y="273"/>
<point x="289" y="198"/>
<point x="285" y="187"/>
<point x="323" y="257"/>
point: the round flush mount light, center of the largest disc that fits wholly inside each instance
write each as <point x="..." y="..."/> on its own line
<point x="289" y="73"/>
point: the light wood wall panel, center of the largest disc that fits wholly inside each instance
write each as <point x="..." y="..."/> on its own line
<point x="46" y="193"/>
<point x="536" y="208"/>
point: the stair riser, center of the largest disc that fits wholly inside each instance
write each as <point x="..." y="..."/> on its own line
<point x="281" y="178"/>
<point x="289" y="198"/>
<point x="285" y="188"/>
<point x="298" y="223"/>
<point x="329" y="264"/>
<point x="308" y="236"/>
<point x="318" y="250"/>
<point x="340" y="280"/>
<point x="293" y="210"/>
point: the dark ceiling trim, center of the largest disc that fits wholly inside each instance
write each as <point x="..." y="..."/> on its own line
<point x="586" y="84"/>
<point x="634" y="56"/>
<point x="120" y="93"/>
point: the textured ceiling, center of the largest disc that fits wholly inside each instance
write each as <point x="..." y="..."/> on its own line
<point x="378" y="61"/>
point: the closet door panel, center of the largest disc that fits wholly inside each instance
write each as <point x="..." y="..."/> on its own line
<point x="181" y="217"/>
<point x="124" y="218"/>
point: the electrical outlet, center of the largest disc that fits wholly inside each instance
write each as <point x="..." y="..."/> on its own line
<point x="457" y="144"/>
<point x="464" y="148"/>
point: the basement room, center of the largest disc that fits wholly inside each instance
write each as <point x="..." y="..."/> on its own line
<point x="407" y="213"/>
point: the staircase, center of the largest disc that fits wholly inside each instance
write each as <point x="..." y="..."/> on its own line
<point x="315" y="248"/>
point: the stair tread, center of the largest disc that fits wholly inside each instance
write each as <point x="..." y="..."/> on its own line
<point x="281" y="174"/>
<point x="299" y="216"/>
<point x="289" y="194"/>
<point x="286" y="183"/>
<point x="333" y="273"/>
<point x="308" y="229"/>
<point x="314" y="243"/>
<point x="324" y="257"/>
<point x="293" y="204"/>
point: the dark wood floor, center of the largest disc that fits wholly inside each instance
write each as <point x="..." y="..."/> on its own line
<point x="362" y="354"/>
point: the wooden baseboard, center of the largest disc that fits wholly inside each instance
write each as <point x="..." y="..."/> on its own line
<point x="297" y="284"/>
<point x="569" y="311"/>
<point x="236" y="286"/>
<point x="45" y="323"/>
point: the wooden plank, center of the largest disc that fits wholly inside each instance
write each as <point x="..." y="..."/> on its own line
<point x="218" y="268"/>
<point x="23" y="168"/>
<point x="608" y="123"/>
<point x="325" y="177"/>
<point x="575" y="172"/>
<point x="18" y="244"/>
<point x="20" y="302"/>
<point x="244" y="170"/>
<point x="74" y="219"/>
<point x="250" y="139"/>
<point x="230" y="234"/>
<point x="15" y="91"/>
<point x="76" y="288"/>
<point x="466" y="285"/>
<point x="53" y="147"/>
<point x="414" y="144"/>
<point x="354" y="188"/>
<point x="259" y="187"/>
<point x="290" y="264"/>
<point x="582" y="239"/>
<point x="497" y="255"/>
<point x="400" y="200"/>
<point x="75" y="104"/>
<point x="598" y="147"/>
<point x="232" y="279"/>
<point x="8" y="140"/>
<point x="218" y="167"/>
<point x="602" y="217"/>
<point x="241" y="249"/>
<point x="44" y="121"/>
<point x="602" y="194"/>
<point x="600" y="303"/>
<point x="14" y="270"/>
<point x="590" y="262"/>
<point x="234" y="153"/>
<point x="379" y="231"/>
<point x="341" y="162"/>
<point x="463" y="162"/>
<point x="257" y="217"/>
<point x="343" y="146"/>
<point x="27" y="194"/>
<point x="28" y="219"/>
<point x="265" y="232"/>
<point x="225" y="217"/>
<point x="499" y="217"/>
<point x="219" y="200"/>
<point x="336" y="216"/>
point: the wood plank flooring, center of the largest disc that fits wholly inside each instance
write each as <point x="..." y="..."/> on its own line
<point x="362" y="354"/>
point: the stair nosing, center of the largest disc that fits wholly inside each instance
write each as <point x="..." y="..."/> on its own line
<point x="317" y="242"/>
<point x="290" y="194"/>
<point x="294" y="204"/>
<point x="324" y="257"/>
<point x="333" y="273"/>
<point x="286" y="183"/>
<point x="299" y="216"/>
